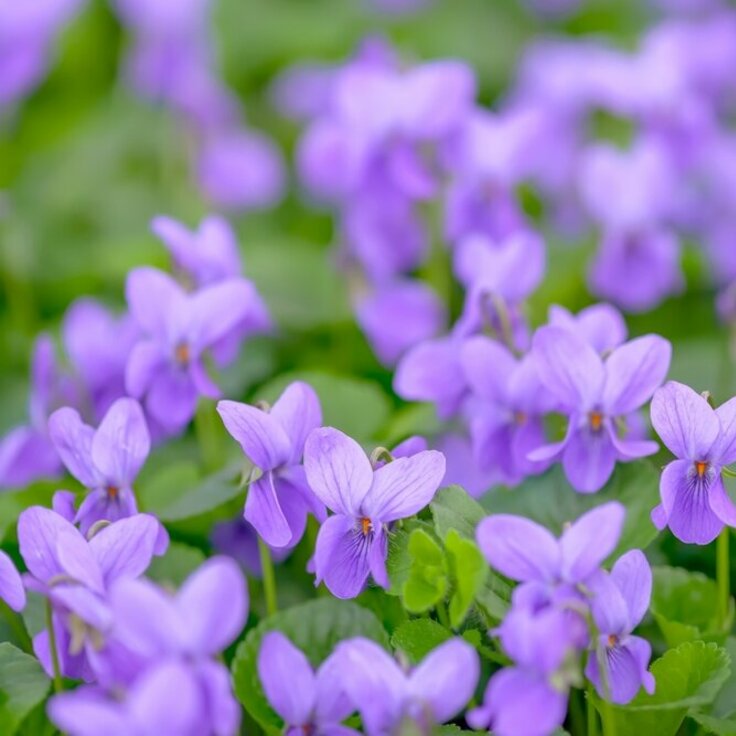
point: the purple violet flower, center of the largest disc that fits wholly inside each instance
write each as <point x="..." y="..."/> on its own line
<point x="166" y="369"/>
<point x="11" y="584"/>
<point x="75" y="574"/>
<point x="389" y="697"/>
<point x="508" y="406"/>
<point x="309" y="702"/>
<point x="618" y="604"/>
<point x="105" y="460"/>
<point x="278" y="500"/>
<point x="354" y="542"/>
<point x="602" y="325"/>
<point x="695" y="504"/>
<point x="596" y="395"/>
<point x="239" y="539"/>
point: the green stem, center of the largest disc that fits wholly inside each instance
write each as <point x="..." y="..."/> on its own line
<point x="723" y="576"/>
<point x="17" y="627"/>
<point x="441" y="609"/>
<point x="206" y="428"/>
<point x="58" y="684"/>
<point x="592" y="715"/>
<point x="609" y="722"/>
<point x="269" y="579"/>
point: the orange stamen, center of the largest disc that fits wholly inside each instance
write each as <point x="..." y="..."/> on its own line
<point x="701" y="467"/>
<point x="520" y="417"/>
<point x="112" y="491"/>
<point x="182" y="353"/>
<point x="596" y="420"/>
<point x="612" y="640"/>
<point x="366" y="525"/>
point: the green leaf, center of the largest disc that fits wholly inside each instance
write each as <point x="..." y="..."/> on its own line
<point x="314" y="627"/>
<point x="203" y="496"/>
<point x="355" y="406"/>
<point x="550" y="500"/>
<point x="689" y="676"/>
<point x="684" y="604"/>
<point x="468" y="572"/>
<point x="427" y="581"/>
<point x="23" y="685"/>
<point x="398" y="564"/>
<point x="418" y="637"/>
<point x="454" y="508"/>
<point x="173" y="568"/>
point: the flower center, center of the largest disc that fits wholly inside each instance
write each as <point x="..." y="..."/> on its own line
<point x="520" y="417"/>
<point x="596" y="420"/>
<point x="701" y="468"/>
<point x="112" y="491"/>
<point x="366" y="526"/>
<point x="181" y="354"/>
<point x="612" y="640"/>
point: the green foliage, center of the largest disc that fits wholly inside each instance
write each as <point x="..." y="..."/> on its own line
<point x="549" y="500"/>
<point x="23" y="685"/>
<point x="418" y="637"/>
<point x="314" y="627"/>
<point x="427" y="582"/>
<point x="687" y="679"/>
<point x="468" y="571"/>
<point x="685" y="606"/>
<point x="454" y="508"/>
<point x="173" y="568"/>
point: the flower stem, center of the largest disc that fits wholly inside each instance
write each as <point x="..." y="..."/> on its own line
<point x="592" y="715"/>
<point x="723" y="576"/>
<point x="269" y="579"/>
<point x="442" y="614"/>
<point x="206" y="429"/>
<point x="58" y="684"/>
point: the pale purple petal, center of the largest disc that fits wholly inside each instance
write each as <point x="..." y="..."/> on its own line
<point x="85" y="712"/>
<point x="77" y="559"/>
<point x="633" y="372"/>
<point x="287" y="679"/>
<point x="84" y="603"/>
<point x="264" y="512"/>
<point x="153" y="299"/>
<point x="488" y="368"/>
<point x="608" y="605"/>
<point x="121" y="443"/>
<point x="633" y="577"/>
<point x="377" y="557"/>
<point x="446" y="679"/>
<point x="720" y="502"/>
<point x="25" y="456"/>
<point x="298" y="411"/>
<point x="172" y="399"/>
<point x="337" y="469"/>
<point x="519" y="548"/>
<point x="589" y="459"/>
<point x="213" y="603"/>
<point x="686" y="504"/>
<point x="125" y="548"/>
<point x="38" y="531"/>
<point x="11" y="585"/>
<point x="342" y="556"/>
<point x="332" y="702"/>
<point x="590" y="540"/>
<point x="146" y="359"/>
<point x="405" y="486"/>
<point x="261" y="435"/>
<point x="520" y="702"/>
<point x="632" y="449"/>
<point x="684" y="421"/>
<point x="622" y="672"/>
<point x="569" y="367"/>
<point x="724" y="451"/>
<point x="72" y="439"/>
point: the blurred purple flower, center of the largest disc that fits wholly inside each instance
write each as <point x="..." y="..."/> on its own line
<point x="11" y="585"/>
<point x="507" y="409"/>
<point x="596" y="395"/>
<point x="278" y="500"/>
<point x="166" y="369"/>
<point x="354" y="543"/>
<point x="240" y="170"/>
<point x="390" y="699"/>
<point x="619" y="601"/>
<point x="105" y="460"/>
<point x="601" y="325"/>
<point x="26" y="452"/>
<point x="695" y="504"/>
<point x="239" y="539"/>
<point x="397" y="316"/>
<point x="307" y="701"/>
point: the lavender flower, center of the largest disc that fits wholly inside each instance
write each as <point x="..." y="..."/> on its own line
<point x="389" y="698"/>
<point x="11" y="585"/>
<point x="166" y="369"/>
<point x="279" y="500"/>
<point x="106" y="460"/>
<point x="619" y="601"/>
<point x="76" y="575"/>
<point x="308" y="701"/>
<point x="596" y="394"/>
<point x="354" y="543"/>
<point x="601" y="325"/>
<point x="26" y="452"/>
<point x="508" y="406"/>
<point x="695" y="504"/>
